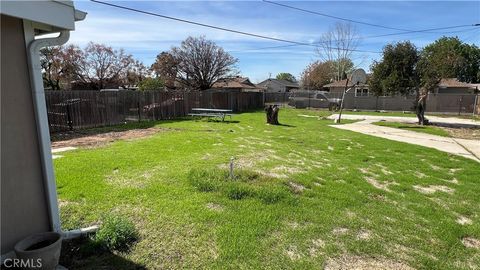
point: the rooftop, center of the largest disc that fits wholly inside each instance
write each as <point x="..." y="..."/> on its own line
<point x="234" y="82"/>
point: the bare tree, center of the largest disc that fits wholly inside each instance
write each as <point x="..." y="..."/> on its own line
<point x="133" y="74"/>
<point x="337" y="46"/>
<point x="102" y="66"/>
<point x="61" y="66"/>
<point x="166" y="68"/>
<point x="201" y="62"/>
<point x="51" y="60"/>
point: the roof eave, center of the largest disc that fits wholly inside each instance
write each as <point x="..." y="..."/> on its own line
<point x="57" y="15"/>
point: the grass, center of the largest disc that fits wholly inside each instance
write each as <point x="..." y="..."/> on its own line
<point x="304" y="194"/>
<point x="414" y="127"/>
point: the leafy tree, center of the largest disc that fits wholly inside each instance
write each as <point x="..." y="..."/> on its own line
<point x="396" y="73"/>
<point x="166" y="68"/>
<point x="151" y="84"/>
<point x="201" y="62"/>
<point x="95" y="67"/>
<point x="286" y="76"/>
<point x="448" y="57"/>
<point x="319" y="73"/>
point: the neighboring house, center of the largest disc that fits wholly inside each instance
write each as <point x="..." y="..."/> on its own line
<point x="28" y="194"/>
<point x="337" y="88"/>
<point x="235" y="84"/>
<point x="454" y="86"/>
<point x="278" y="86"/>
<point x="446" y="86"/>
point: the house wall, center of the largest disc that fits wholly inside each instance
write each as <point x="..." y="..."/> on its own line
<point x="336" y="90"/>
<point x="273" y="86"/>
<point x="455" y="90"/>
<point x="23" y="201"/>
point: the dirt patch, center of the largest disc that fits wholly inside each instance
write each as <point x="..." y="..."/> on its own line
<point x="433" y="188"/>
<point x="435" y="167"/>
<point x="285" y="170"/>
<point x="363" y="235"/>
<point x="79" y="139"/>
<point x="380" y="185"/>
<point x="364" y="263"/>
<point x="463" y="133"/>
<point x="296" y="188"/>
<point x="215" y="207"/>
<point x="293" y="253"/>
<point x="340" y="231"/>
<point x="453" y="170"/>
<point x="453" y="181"/>
<point x="420" y="175"/>
<point x="316" y="245"/>
<point x="464" y="220"/>
<point x="471" y="242"/>
<point x="138" y="179"/>
<point x="384" y="169"/>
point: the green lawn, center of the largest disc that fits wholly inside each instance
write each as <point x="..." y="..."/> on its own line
<point x="414" y="127"/>
<point x="307" y="196"/>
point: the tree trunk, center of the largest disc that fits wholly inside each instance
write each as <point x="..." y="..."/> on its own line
<point x="420" y="109"/>
<point x="272" y="114"/>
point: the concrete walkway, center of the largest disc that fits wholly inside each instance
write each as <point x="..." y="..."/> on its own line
<point x="59" y="150"/>
<point x="465" y="148"/>
<point x="445" y="121"/>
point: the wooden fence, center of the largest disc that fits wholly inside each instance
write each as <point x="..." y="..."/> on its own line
<point x="68" y="110"/>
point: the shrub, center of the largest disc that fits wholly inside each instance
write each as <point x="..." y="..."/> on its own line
<point x="116" y="233"/>
<point x="272" y="195"/>
<point x="236" y="191"/>
<point x="247" y="184"/>
<point x="151" y="84"/>
<point x="206" y="181"/>
<point x="246" y="176"/>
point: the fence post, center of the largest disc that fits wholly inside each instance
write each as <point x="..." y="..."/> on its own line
<point x="138" y="111"/>
<point x="460" y="104"/>
<point x="475" y="105"/>
<point x="69" y="117"/>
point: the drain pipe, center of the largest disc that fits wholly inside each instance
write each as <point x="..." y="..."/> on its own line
<point x="41" y="117"/>
<point x="43" y="132"/>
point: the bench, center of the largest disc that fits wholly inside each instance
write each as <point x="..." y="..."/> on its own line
<point x="212" y="115"/>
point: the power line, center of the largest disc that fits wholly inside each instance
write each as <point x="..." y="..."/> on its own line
<point x="320" y="42"/>
<point x="216" y="27"/>
<point x="333" y="17"/>
<point x="365" y="23"/>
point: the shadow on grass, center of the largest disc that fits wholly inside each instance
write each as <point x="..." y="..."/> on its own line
<point x="285" y="125"/>
<point x="82" y="253"/>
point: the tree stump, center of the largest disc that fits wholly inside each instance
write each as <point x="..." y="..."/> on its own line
<point x="420" y="109"/>
<point x="272" y="114"/>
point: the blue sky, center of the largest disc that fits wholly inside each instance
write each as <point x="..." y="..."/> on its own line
<point x="145" y="36"/>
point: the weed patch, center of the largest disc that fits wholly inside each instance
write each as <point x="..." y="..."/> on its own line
<point x="245" y="184"/>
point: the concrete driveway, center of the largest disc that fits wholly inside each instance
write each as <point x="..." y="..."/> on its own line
<point x="462" y="147"/>
<point x="445" y="121"/>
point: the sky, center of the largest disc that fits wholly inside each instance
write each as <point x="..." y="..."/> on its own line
<point x="145" y="36"/>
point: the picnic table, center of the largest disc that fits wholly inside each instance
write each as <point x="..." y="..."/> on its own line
<point x="214" y="113"/>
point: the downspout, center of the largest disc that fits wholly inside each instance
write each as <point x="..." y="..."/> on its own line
<point x="41" y="118"/>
